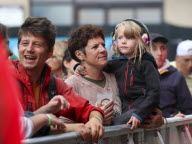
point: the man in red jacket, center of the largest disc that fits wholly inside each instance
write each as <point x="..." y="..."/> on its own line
<point x="36" y="39"/>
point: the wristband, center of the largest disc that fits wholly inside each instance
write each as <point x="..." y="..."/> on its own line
<point x="50" y="119"/>
<point x="98" y="118"/>
<point x="75" y="66"/>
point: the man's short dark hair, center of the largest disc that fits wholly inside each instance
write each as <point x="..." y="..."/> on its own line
<point x="80" y="36"/>
<point x="39" y="26"/>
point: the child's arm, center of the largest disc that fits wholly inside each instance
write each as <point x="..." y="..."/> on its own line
<point x="150" y="99"/>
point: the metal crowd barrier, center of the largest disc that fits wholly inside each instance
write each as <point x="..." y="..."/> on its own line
<point x="175" y="131"/>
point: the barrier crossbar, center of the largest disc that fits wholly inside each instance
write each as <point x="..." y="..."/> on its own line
<point x="176" y="131"/>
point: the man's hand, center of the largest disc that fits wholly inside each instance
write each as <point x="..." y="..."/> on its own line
<point x="155" y="121"/>
<point x="96" y="127"/>
<point x="56" y="104"/>
<point x="179" y="115"/>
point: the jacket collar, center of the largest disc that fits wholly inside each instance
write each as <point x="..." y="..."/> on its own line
<point x="23" y="76"/>
<point x="122" y="57"/>
<point x="165" y="67"/>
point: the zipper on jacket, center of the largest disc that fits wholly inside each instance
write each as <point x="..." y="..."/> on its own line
<point x="126" y="78"/>
<point x="132" y="77"/>
<point x="41" y="86"/>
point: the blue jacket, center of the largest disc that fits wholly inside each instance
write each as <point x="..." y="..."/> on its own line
<point x="174" y="95"/>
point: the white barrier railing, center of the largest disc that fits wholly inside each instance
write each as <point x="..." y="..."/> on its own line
<point x="176" y="131"/>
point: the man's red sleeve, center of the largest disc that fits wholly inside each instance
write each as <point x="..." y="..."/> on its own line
<point x="80" y="108"/>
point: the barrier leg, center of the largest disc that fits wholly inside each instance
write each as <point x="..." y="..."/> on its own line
<point x="130" y="139"/>
<point x="160" y="138"/>
<point x="188" y="134"/>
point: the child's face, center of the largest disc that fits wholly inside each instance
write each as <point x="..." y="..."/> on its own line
<point x="125" y="45"/>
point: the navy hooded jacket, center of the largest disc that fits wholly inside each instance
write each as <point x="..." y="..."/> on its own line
<point x="175" y="96"/>
<point x="139" y="86"/>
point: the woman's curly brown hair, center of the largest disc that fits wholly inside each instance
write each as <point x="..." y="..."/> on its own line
<point x="80" y="36"/>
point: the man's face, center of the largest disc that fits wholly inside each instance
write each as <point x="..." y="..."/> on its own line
<point x="159" y="51"/>
<point x="33" y="52"/>
<point x="184" y="64"/>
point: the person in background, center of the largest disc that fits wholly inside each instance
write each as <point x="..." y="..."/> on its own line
<point x="36" y="39"/>
<point x="55" y="61"/>
<point x="183" y="61"/>
<point x="5" y="38"/>
<point x="9" y="106"/>
<point x="4" y="34"/>
<point x="175" y="97"/>
<point x="68" y="64"/>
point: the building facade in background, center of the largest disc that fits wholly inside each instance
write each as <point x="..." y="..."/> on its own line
<point x="168" y="17"/>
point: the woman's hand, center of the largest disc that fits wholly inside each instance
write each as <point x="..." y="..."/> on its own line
<point x="80" y="70"/>
<point x="108" y="110"/>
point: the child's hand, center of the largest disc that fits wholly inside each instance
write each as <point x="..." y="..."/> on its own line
<point x="134" y="121"/>
<point x="80" y="70"/>
<point x="56" y="104"/>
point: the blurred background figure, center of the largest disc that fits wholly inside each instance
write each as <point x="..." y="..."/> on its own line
<point x="61" y="62"/>
<point x="9" y="105"/>
<point x="68" y="64"/>
<point x="183" y="61"/>
<point x="5" y="38"/>
<point x="175" y="97"/>
<point x="55" y="62"/>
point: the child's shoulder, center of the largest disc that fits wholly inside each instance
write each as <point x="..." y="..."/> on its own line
<point x="148" y="58"/>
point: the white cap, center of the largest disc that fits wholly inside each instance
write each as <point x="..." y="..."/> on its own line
<point x="184" y="48"/>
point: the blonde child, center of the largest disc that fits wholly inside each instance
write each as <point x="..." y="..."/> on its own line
<point x="136" y="72"/>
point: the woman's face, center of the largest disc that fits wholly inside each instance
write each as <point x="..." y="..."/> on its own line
<point x="54" y="63"/>
<point x="96" y="54"/>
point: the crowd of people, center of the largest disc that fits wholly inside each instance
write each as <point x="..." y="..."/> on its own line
<point x="71" y="86"/>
